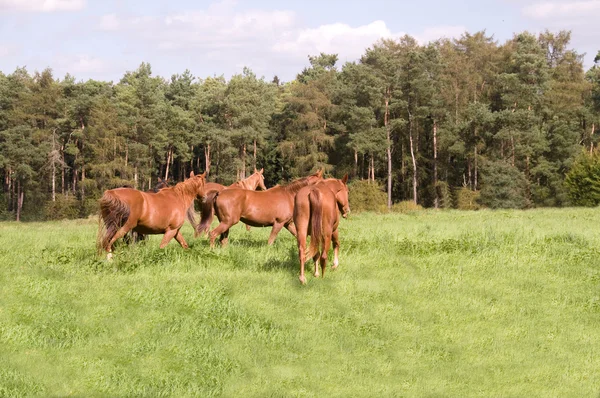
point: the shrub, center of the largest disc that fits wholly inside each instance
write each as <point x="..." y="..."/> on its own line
<point x="64" y="207"/>
<point x="467" y="199"/>
<point x="503" y="186"/>
<point x="406" y="206"/>
<point x="583" y="180"/>
<point x="444" y="194"/>
<point x="365" y="196"/>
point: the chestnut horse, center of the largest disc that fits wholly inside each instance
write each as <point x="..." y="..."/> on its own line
<point x="126" y="209"/>
<point x="316" y="214"/>
<point x="256" y="180"/>
<point x="132" y="236"/>
<point x="273" y="207"/>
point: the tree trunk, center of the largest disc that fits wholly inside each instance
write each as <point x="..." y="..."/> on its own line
<point x="53" y="180"/>
<point x="254" y="159"/>
<point x="135" y="177"/>
<point x="126" y="154"/>
<point x="19" y="200"/>
<point x="475" y="168"/>
<point x="169" y="153"/>
<point x="207" y="159"/>
<point x="355" y="163"/>
<point x="414" y="161"/>
<point x="591" y="138"/>
<point x="243" y="172"/>
<point x="389" y="147"/>
<point x="436" y="200"/>
<point x="512" y="144"/>
<point x="83" y="182"/>
<point x="64" y="165"/>
<point x="9" y="189"/>
<point x="372" y="169"/>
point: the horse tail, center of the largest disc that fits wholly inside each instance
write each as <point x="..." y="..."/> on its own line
<point x="316" y="220"/>
<point x="207" y="212"/>
<point x="113" y="214"/>
<point x="191" y="215"/>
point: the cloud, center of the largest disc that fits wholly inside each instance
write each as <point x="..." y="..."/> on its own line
<point x="553" y="9"/>
<point x="42" y="5"/>
<point x="347" y="41"/>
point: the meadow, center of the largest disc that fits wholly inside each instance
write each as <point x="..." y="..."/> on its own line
<point x="425" y="304"/>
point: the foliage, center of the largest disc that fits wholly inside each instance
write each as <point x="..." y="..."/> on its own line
<point x="366" y="196"/>
<point x="504" y="186"/>
<point x="423" y="120"/>
<point x="583" y="180"/>
<point x="64" y="207"/>
<point x="466" y="199"/>
<point x="406" y="206"/>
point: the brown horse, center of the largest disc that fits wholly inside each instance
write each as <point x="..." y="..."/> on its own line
<point x="273" y="207"/>
<point x="256" y="180"/>
<point x="132" y="236"/>
<point x="125" y="209"/>
<point x="316" y="214"/>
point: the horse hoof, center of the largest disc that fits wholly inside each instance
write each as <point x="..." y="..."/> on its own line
<point x="303" y="280"/>
<point x="109" y="256"/>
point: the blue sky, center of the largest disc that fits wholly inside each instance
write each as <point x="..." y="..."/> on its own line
<point x="101" y="39"/>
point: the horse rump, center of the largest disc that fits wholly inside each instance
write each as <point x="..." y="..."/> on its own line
<point x="206" y="212"/>
<point x="113" y="215"/>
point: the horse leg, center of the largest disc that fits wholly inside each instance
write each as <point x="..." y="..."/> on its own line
<point x="224" y="238"/>
<point x="301" y="239"/>
<point x="179" y="238"/>
<point x="336" y="248"/>
<point x="169" y="234"/>
<point x="119" y="234"/>
<point x="219" y="230"/>
<point x="316" y="260"/>
<point x="276" y="228"/>
<point x="292" y="228"/>
<point x="323" y="258"/>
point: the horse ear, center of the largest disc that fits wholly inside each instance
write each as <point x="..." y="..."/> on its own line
<point x="203" y="175"/>
<point x="261" y="170"/>
<point x="191" y="173"/>
<point x="345" y="179"/>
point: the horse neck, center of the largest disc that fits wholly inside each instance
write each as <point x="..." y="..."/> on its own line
<point x="187" y="190"/>
<point x="293" y="187"/>
<point x="251" y="182"/>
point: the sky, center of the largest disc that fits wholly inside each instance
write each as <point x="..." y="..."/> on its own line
<point x="102" y="39"/>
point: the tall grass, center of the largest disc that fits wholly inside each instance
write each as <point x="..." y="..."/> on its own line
<point x="456" y="304"/>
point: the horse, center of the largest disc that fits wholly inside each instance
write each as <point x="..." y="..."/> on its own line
<point x="273" y="207"/>
<point x="164" y="212"/>
<point x="316" y="213"/>
<point x="256" y="180"/>
<point x="132" y="236"/>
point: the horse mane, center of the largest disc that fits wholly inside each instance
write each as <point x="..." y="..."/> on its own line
<point x="185" y="188"/>
<point x="294" y="186"/>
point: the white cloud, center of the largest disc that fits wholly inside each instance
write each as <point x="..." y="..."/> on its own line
<point x="42" y="5"/>
<point x="270" y="41"/>
<point x="338" y="38"/>
<point x="439" y="32"/>
<point x="553" y="9"/>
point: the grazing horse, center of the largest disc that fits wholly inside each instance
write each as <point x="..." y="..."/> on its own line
<point x="256" y="180"/>
<point x="273" y="207"/>
<point x="126" y="209"/>
<point x="316" y="214"/>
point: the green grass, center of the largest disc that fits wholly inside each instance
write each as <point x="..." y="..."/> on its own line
<point x="429" y="304"/>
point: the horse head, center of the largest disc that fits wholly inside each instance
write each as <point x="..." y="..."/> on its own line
<point x="340" y="189"/>
<point x="198" y="181"/>
<point x="260" y="179"/>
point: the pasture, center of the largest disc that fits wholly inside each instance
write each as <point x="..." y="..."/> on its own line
<point x="428" y="304"/>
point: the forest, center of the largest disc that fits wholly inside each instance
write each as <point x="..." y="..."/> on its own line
<point x="464" y="123"/>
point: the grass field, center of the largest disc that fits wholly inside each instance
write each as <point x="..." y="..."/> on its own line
<point x="430" y="304"/>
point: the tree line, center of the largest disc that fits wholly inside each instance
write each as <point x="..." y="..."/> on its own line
<point x="506" y="122"/>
